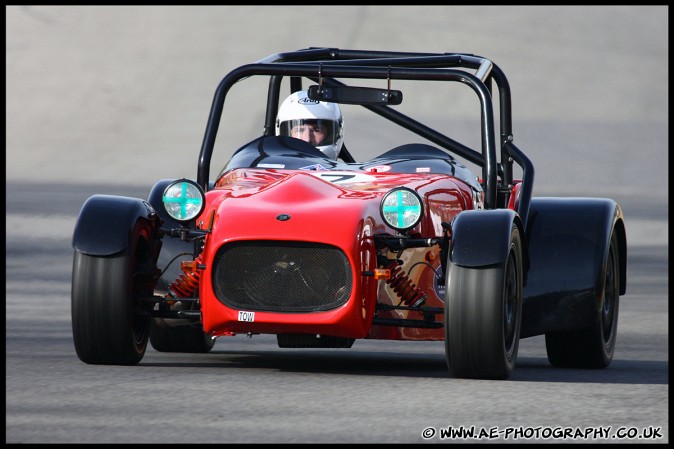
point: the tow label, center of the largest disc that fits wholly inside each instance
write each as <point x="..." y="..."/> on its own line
<point x="246" y="316"/>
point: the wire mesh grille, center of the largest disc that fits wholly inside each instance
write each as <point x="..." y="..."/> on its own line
<point x="282" y="276"/>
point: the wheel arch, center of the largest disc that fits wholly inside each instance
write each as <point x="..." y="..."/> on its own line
<point x="105" y="224"/>
<point x="568" y="245"/>
<point x="482" y="237"/>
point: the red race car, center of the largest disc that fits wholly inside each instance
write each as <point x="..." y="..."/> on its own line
<point x="295" y="237"/>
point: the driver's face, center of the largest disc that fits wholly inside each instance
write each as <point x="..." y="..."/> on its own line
<point x="314" y="134"/>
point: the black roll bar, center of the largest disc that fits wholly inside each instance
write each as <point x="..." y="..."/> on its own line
<point x="331" y="63"/>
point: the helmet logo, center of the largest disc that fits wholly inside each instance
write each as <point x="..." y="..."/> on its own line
<point x="307" y="100"/>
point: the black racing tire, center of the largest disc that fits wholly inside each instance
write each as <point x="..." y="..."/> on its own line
<point x="186" y="338"/>
<point x="110" y="326"/>
<point x="483" y="316"/>
<point x="593" y="347"/>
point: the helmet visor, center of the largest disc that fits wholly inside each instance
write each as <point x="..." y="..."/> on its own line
<point x="318" y="132"/>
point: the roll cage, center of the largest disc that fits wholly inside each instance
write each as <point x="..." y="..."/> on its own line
<point x="324" y="65"/>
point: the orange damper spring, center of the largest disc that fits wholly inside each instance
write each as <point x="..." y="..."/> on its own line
<point x="187" y="283"/>
<point x="403" y="286"/>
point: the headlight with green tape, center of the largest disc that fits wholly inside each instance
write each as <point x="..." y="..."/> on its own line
<point x="183" y="200"/>
<point x="401" y="208"/>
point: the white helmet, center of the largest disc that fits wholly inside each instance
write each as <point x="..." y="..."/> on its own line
<point x="299" y="109"/>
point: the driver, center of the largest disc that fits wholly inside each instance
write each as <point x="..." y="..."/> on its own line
<point x="317" y="122"/>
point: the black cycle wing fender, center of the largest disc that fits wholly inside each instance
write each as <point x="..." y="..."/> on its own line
<point x="104" y="225"/>
<point x="568" y="244"/>
<point x="481" y="237"/>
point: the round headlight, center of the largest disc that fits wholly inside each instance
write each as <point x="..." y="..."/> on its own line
<point x="401" y="208"/>
<point x="183" y="200"/>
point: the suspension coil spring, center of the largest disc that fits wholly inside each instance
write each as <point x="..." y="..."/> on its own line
<point x="187" y="283"/>
<point x="403" y="286"/>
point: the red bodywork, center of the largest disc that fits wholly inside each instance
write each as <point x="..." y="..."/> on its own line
<point x="328" y="207"/>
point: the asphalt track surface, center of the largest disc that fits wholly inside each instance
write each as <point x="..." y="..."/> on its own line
<point x="109" y="99"/>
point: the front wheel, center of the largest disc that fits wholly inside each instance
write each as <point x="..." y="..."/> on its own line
<point x="483" y="316"/>
<point x="110" y="325"/>
<point x="592" y="347"/>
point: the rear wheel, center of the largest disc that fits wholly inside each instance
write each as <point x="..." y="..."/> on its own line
<point x="110" y="325"/>
<point x="483" y="316"/>
<point x="592" y="347"/>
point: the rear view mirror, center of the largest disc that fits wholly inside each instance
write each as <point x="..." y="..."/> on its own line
<point x="355" y="95"/>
